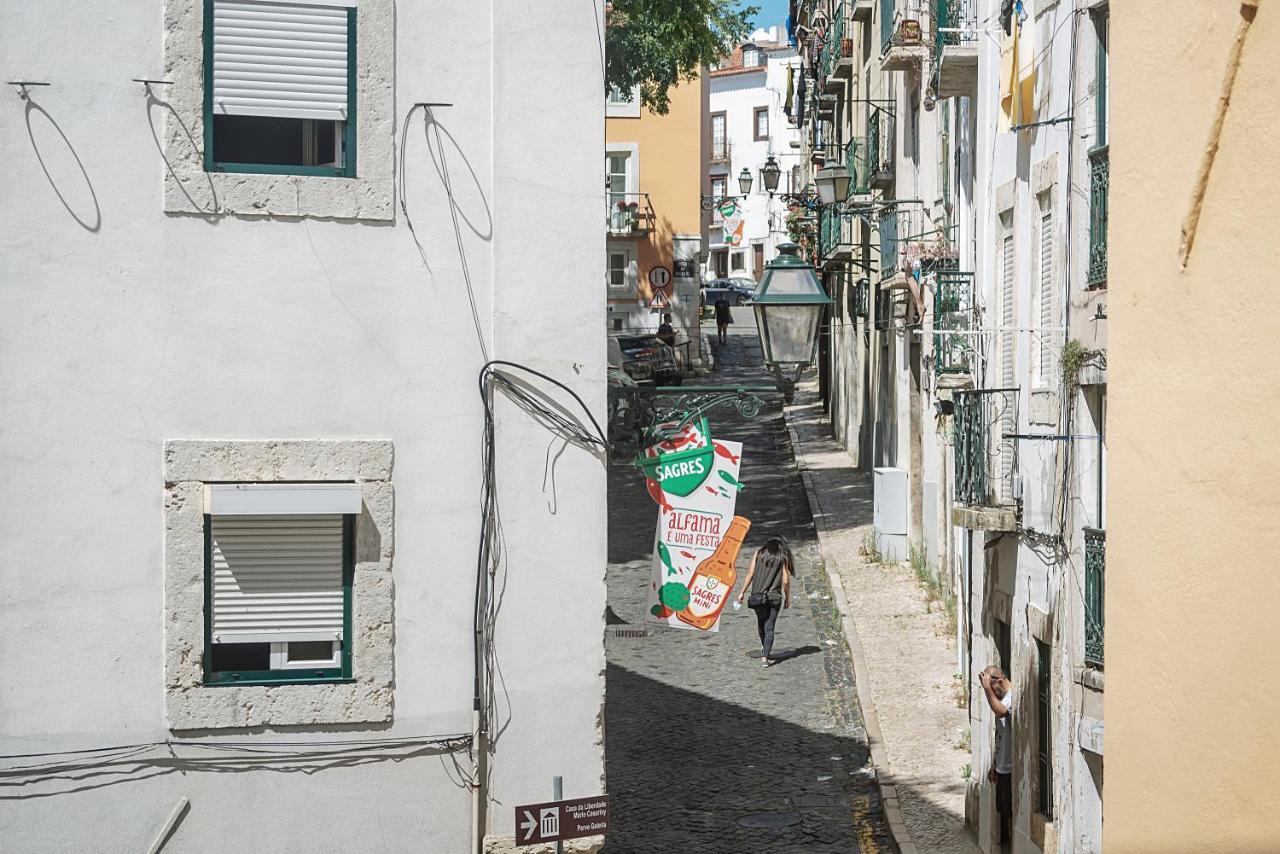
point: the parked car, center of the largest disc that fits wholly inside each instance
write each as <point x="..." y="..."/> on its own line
<point x="644" y="357"/>
<point x="737" y="290"/>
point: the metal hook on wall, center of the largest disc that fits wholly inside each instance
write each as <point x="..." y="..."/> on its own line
<point x="24" y="85"/>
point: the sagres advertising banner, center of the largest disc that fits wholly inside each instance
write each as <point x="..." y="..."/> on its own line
<point x="694" y="479"/>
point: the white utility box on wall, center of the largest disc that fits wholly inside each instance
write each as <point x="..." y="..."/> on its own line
<point x="890" y="513"/>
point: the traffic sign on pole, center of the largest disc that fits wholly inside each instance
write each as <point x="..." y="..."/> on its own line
<point x="572" y="819"/>
<point x="659" y="277"/>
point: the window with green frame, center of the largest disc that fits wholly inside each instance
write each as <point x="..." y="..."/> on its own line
<point x="280" y="87"/>
<point x="278" y="598"/>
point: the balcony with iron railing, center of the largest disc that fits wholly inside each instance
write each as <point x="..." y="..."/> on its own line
<point x="953" y="326"/>
<point x="986" y="459"/>
<point x="836" y="58"/>
<point x="902" y="40"/>
<point x="887" y="231"/>
<point x="1095" y="566"/>
<point x="721" y="151"/>
<point x="629" y="215"/>
<point x="955" y="48"/>
<point x="880" y="149"/>
<point x="1099" y="189"/>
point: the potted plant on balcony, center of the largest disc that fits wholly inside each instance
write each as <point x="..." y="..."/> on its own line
<point x="633" y="216"/>
<point x="909" y="32"/>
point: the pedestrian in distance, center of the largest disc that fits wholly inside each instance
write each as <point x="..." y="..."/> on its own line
<point x="723" y="318"/>
<point x="1000" y="698"/>
<point x="667" y="332"/>
<point x="769" y="582"/>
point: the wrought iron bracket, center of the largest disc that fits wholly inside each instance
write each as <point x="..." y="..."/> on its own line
<point x="675" y="407"/>
<point x="652" y="414"/>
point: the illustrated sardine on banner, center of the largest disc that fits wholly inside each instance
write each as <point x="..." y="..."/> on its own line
<point x="698" y="538"/>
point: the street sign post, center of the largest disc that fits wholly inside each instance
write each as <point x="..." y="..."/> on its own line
<point x="561" y="819"/>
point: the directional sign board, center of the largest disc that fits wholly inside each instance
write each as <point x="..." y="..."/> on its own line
<point x="659" y="277"/>
<point x="557" y="820"/>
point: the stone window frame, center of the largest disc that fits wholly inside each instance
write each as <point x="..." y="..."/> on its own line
<point x="189" y="189"/>
<point x="368" y="696"/>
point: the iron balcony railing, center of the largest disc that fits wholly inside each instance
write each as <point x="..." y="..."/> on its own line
<point x="888" y="14"/>
<point x="880" y="143"/>
<point x="832" y="48"/>
<point x="721" y="151"/>
<point x="893" y="15"/>
<point x="1099" y="186"/>
<point x="629" y="214"/>
<point x="954" y="24"/>
<point x="986" y="460"/>
<point x="1095" y="565"/>
<point x="887" y="229"/>
<point x="855" y="160"/>
<point x="830" y="232"/>
<point x="953" y="323"/>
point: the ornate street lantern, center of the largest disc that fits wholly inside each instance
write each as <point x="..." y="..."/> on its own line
<point x="770" y="173"/>
<point x="789" y="306"/>
<point x="744" y="181"/>
<point x="833" y="184"/>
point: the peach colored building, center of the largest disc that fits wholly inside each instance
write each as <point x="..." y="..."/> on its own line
<point x="656" y="174"/>
<point x="1193" y="731"/>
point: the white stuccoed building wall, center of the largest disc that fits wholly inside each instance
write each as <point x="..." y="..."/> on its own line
<point x="738" y="92"/>
<point x="123" y="327"/>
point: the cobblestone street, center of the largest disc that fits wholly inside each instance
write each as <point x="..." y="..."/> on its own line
<point x="706" y="751"/>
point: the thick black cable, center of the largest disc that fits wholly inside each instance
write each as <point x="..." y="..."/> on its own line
<point x="490" y="378"/>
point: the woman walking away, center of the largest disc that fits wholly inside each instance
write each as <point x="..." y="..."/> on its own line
<point x="769" y="580"/>
<point x="723" y="318"/>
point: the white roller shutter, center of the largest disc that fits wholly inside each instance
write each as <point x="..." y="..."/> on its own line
<point x="276" y="578"/>
<point x="1046" y="296"/>
<point x="280" y="59"/>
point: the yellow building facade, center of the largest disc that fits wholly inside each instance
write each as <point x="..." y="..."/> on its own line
<point x="656" y="174"/>
<point x="1193" y="576"/>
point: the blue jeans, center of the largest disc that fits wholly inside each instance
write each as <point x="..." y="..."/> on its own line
<point x="766" y="617"/>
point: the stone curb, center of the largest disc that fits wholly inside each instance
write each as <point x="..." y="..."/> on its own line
<point x="862" y="674"/>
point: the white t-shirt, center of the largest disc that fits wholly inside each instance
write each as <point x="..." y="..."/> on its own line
<point x="1004" y="738"/>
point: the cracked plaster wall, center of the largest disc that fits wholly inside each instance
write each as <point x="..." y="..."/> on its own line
<point x="192" y="705"/>
<point x="189" y="189"/>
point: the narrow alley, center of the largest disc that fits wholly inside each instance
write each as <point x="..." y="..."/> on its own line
<point x="705" y="750"/>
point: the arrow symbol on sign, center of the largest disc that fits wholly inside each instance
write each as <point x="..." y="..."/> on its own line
<point x="529" y="825"/>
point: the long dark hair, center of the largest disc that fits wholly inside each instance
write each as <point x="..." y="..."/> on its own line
<point x="772" y="556"/>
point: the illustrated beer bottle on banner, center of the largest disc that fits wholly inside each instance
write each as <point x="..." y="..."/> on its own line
<point x="714" y="578"/>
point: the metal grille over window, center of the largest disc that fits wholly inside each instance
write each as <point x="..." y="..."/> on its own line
<point x="276" y="578"/>
<point x="280" y="60"/>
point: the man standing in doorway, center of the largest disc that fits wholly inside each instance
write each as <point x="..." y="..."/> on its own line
<point x="1000" y="698"/>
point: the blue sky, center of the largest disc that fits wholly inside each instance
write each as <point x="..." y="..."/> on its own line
<point x="771" y="11"/>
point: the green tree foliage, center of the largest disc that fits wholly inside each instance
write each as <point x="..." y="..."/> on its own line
<point x="657" y="44"/>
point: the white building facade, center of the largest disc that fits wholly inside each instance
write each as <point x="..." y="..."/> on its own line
<point x="749" y="124"/>
<point x="245" y="312"/>
<point x="966" y="352"/>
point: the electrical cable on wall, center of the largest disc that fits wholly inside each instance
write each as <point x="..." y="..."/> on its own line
<point x="517" y="382"/>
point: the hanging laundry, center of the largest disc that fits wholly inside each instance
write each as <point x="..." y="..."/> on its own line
<point x="1017" y="71"/>
<point x="791" y="90"/>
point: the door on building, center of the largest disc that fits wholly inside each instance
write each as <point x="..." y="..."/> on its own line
<point x="757" y="260"/>
<point x="722" y="263"/>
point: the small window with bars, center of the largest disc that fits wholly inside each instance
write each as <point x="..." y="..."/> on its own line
<point x="279" y="567"/>
<point x="280" y="87"/>
<point x="1044" y="731"/>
